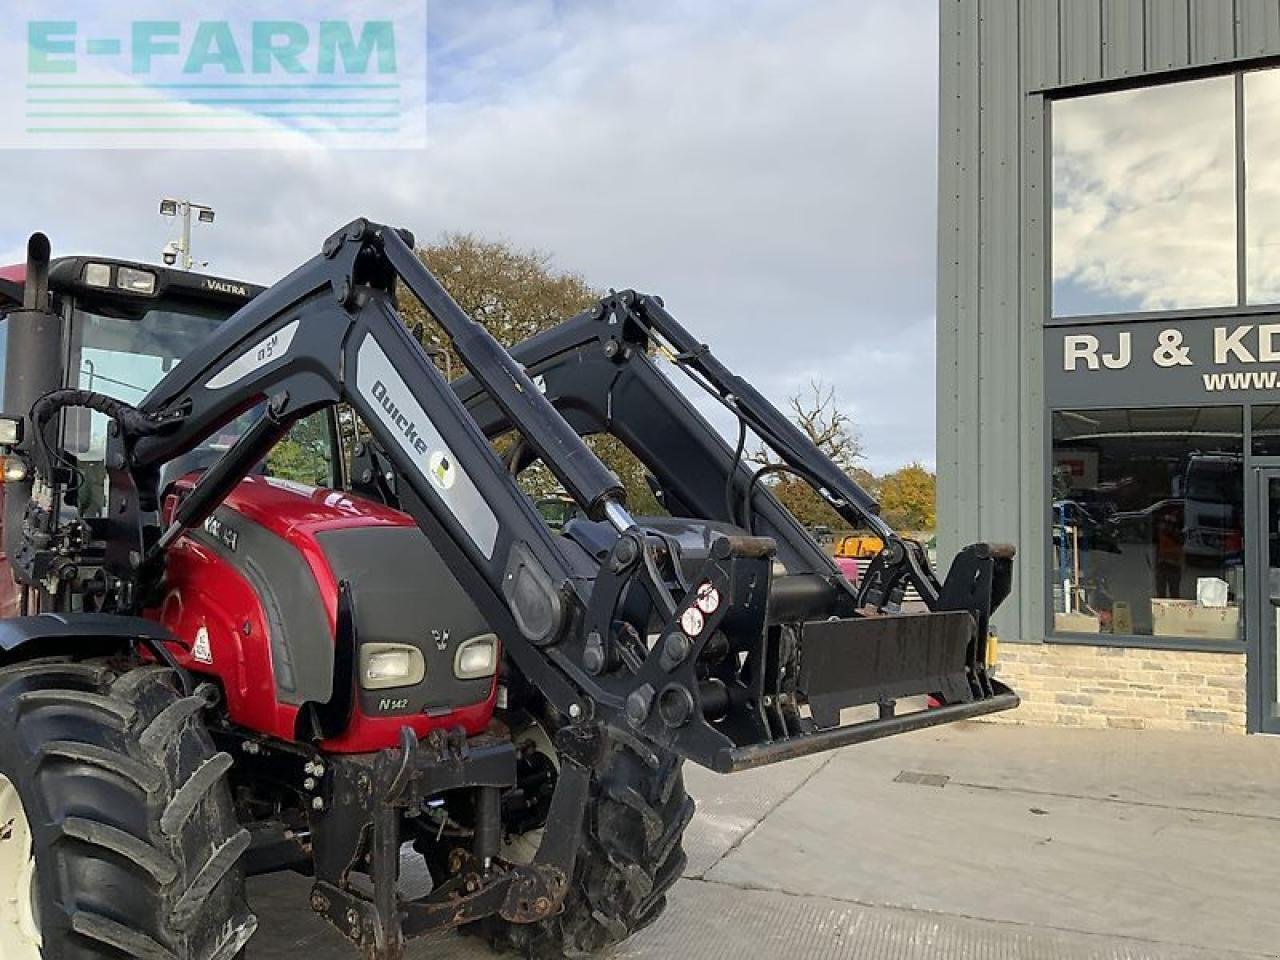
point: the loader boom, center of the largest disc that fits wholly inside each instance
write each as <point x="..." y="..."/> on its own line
<point x="360" y="682"/>
<point x="598" y="368"/>
<point x="329" y="333"/>
<point x="726" y="683"/>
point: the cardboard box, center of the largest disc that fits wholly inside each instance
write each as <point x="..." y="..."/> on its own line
<point x="1076" y="623"/>
<point x="1186" y="618"/>
<point x="1122" y="618"/>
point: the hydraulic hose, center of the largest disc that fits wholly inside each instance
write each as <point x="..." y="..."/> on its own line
<point x="132" y="420"/>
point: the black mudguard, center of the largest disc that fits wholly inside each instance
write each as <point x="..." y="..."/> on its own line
<point x="82" y="635"/>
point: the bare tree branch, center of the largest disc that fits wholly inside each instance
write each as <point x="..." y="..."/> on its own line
<point x="832" y="431"/>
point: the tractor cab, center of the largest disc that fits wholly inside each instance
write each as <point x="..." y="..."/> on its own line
<point x="124" y="324"/>
<point x="121" y="326"/>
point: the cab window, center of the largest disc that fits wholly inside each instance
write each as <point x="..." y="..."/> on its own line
<point x="124" y="357"/>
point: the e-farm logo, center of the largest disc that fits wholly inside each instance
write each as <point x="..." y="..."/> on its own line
<point x="250" y="73"/>
<point x="284" y="45"/>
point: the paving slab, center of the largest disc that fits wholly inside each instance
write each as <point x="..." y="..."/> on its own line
<point x="1229" y="774"/>
<point x="707" y="921"/>
<point x="730" y="807"/>
<point x="975" y="841"/>
<point x="1103" y="833"/>
<point x="710" y="921"/>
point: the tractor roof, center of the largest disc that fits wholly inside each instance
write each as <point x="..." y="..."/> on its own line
<point x="68" y="275"/>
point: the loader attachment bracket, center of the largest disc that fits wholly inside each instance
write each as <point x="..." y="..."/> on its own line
<point x="979" y="581"/>
<point x="876" y="663"/>
<point x="718" y="679"/>
<point x="878" y="660"/>
<point x="757" y="755"/>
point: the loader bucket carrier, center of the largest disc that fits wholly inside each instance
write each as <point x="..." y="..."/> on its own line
<point x="721" y="634"/>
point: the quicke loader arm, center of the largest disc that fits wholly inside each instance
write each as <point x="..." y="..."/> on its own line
<point x="599" y="370"/>
<point x="714" y="667"/>
<point x="722" y="634"/>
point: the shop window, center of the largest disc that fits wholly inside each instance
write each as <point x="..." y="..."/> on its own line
<point x="1144" y="199"/>
<point x="1148" y="522"/>
<point x="1265" y="441"/>
<point x="1262" y="185"/>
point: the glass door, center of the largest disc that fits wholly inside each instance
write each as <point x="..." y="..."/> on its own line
<point x="1266" y="654"/>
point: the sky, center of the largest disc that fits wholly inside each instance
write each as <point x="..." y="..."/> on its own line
<point x="767" y="166"/>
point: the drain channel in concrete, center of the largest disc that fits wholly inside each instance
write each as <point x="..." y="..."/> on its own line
<point x="922" y="779"/>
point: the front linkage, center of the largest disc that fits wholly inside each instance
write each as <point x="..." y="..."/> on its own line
<point x="397" y="785"/>
<point x="362" y="809"/>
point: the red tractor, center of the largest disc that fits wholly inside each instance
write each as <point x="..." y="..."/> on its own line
<point x="210" y="669"/>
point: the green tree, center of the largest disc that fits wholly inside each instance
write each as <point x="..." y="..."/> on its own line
<point x="303" y="455"/>
<point x="515" y="293"/>
<point x="908" y="498"/>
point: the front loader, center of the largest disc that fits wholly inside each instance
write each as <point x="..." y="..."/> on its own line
<point x="403" y="682"/>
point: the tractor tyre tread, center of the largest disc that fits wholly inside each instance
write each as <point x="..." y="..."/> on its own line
<point x="135" y="836"/>
<point x="630" y="855"/>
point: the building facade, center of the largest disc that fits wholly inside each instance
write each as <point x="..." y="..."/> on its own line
<point x="1109" y="348"/>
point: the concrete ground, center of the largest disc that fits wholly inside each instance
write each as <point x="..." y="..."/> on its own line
<point x="974" y="841"/>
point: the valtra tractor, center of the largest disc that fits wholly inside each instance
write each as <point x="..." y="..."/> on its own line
<point x="208" y="671"/>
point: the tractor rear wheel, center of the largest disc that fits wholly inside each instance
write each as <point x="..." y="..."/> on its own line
<point x="117" y="834"/>
<point x="630" y="854"/>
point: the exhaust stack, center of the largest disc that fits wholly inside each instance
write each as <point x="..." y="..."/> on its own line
<point x="32" y="368"/>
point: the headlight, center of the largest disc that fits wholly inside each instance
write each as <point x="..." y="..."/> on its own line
<point x="10" y="431"/>
<point x="384" y="665"/>
<point x="97" y="274"/>
<point x="477" y="657"/>
<point x="136" y="281"/>
<point x="13" y="469"/>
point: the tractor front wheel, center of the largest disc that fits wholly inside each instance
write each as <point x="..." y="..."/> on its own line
<point x="117" y="834"/>
<point x="630" y="854"/>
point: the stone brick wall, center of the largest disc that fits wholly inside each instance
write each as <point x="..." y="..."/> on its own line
<point x="1087" y="686"/>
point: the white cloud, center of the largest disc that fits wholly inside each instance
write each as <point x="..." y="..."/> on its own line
<point x="1145" y="196"/>
<point x="767" y="166"/>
